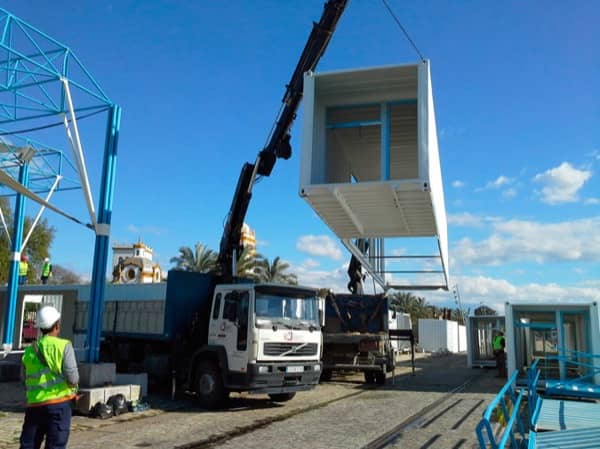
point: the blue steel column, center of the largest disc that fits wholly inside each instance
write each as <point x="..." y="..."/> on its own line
<point x="13" y="268"/>
<point x="96" y="304"/>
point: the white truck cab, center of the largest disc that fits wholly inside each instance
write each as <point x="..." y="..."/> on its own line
<point x="262" y="338"/>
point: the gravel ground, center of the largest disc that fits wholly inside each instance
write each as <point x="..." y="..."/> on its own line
<point x="344" y="413"/>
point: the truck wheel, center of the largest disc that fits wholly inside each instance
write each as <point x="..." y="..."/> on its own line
<point x="369" y="377"/>
<point x="282" y="397"/>
<point x="380" y="376"/>
<point x="325" y="375"/>
<point x="209" y="386"/>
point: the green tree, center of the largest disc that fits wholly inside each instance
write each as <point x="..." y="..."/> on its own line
<point x="64" y="276"/>
<point x="37" y="248"/>
<point x="201" y="259"/>
<point x="275" y="272"/>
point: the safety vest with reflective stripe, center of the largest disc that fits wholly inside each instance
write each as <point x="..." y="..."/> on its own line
<point x="497" y="342"/>
<point x="23" y="268"/>
<point x="46" y="269"/>
<point x="45" y="384"/>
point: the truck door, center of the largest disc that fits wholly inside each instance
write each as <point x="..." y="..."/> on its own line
<point x="234" y="328"/>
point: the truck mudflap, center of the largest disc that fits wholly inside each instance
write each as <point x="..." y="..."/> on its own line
<point x="272" y="378"/>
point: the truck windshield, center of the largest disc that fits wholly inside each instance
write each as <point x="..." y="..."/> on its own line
<point x="286" y="310"/>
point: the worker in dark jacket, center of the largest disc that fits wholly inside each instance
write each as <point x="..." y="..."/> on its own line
<point x="51" y="379"/>
<point x="498" y="345"/>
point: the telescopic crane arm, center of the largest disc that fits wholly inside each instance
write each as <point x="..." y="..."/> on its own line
<point x="278" y="145"/>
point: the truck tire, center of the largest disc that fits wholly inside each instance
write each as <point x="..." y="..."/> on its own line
<point x="380" y="376"/>
<point x="282" y="397"/>
<point x="210" y="391"/>
<point x="325" y="375"/>
<point x="369" y="377"/>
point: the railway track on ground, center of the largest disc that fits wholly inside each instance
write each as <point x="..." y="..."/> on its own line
<point x="430" y="427"/>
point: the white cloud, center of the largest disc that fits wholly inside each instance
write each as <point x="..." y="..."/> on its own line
<point x="319" y="245"/>
<point x="458" y="184"/>
<point x="494" y="292"/>
<point x="519" y="240"/>
<point x="471" y="220"/>
<point x="591" y="201"/>
<point x="152" y="230"/>
<point x="336" y="279"/>
<point x="499" y="182"/>
<point x="310" y="263"/>
<point x="509" y="193"/>
<point x="561" y="184"/>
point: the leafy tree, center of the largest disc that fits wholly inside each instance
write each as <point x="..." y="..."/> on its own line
<point x="38" y="246"/>
<point x="275" y="272"/>
<point x="64" y="276"/>
<point x="202" y="259"/>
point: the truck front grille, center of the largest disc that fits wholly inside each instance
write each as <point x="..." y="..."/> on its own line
<point x="290" y="349"/>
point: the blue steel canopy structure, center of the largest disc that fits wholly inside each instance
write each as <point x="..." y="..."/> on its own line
<point x="44" y="85"/>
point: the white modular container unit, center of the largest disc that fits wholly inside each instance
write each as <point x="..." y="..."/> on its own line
<point x="370" y="161"/>
<point x="128" y="309"/>
<point x="438" y="335"/>
<point x="462" y="338"/>
<point x="547" y="330"/>
<point x="480" y="332"/>
<point x="400" y="321"/>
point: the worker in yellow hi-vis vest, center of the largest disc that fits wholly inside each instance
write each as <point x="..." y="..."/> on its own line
<point x="46" y="270"/>
<point x="498" y="345"/>
<point x="51" y="379"/>
<point x="23" y="269"/>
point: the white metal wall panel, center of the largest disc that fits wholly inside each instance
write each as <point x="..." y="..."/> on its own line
<point x="462" y="338"/>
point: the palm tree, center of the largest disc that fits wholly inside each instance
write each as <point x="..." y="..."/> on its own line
<point x="201" y="260"/>
<point x="247" y="264"/>
<point x="275" y="272"/>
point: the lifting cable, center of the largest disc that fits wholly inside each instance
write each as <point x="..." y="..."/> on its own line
<point x="385" y="3"/>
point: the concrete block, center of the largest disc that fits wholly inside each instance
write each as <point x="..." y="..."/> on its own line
<point x="9" y="370"/>
<point x="93" y="375"/>
<point x="89" y="397"/>
<point x="125" y="390"/>
<point x="140" y="379"/>
<point x="135" y="392"/>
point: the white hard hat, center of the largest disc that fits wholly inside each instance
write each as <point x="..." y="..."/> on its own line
<point x="47" y="317"/>
<point x="47" y="259"/>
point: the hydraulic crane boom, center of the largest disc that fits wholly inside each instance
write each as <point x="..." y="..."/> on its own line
<point x="278" y="145"/>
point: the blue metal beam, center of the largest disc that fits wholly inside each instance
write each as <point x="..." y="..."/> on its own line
<point x="101" y="249"/>
<point x="13" y="268"/>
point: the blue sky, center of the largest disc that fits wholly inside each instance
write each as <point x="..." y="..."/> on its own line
<point x="516" y="89"/>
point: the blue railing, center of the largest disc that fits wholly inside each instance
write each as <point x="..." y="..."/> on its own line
<point x="582" y="385"/>
<point x="506" y="406"/>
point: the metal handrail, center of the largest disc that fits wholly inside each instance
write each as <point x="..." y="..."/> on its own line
<point x="509" y="413"/>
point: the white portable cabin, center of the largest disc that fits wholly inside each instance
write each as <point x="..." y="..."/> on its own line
<point x="370" y="166"/>
<point x="480" y="332"/>
<point x="439" y="335"/>
<point x="550" y="330"/>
